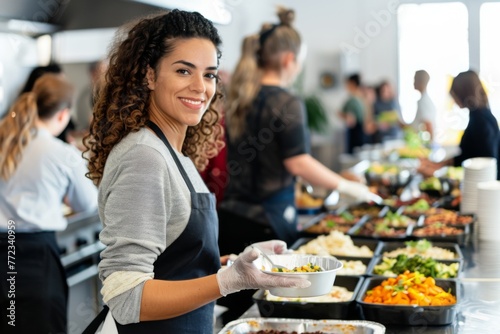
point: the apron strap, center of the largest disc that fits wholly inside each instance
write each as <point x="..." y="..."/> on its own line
<point x="164" y="139"/>
<point x="94" y="325"/>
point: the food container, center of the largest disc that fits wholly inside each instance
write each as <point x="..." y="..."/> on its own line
<point x="329" y="221"/>
<point x="321" y="281"/>
<point x="283" y="325"/>
<point x="389" y="175"/>
<point x="427" y="232"/>
<point x="451" y="218"/>
<point x="379" y="259"/>
<point x="450" y="246"/>
<point x="363" y="209"/>
<point x="369" y="243"/>
<point x="408" y="315"/>
<point x="313" y="310"/>
<point x="366" y="261"/>
<point x="368" y="229"/>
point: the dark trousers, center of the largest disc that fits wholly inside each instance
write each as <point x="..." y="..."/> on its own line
<point x="34" y="291"/>
<point x="235" y="233"/>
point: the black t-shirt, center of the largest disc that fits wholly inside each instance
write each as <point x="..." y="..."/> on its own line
<point x="481" y="138"/>
<point x="275" y="129"/>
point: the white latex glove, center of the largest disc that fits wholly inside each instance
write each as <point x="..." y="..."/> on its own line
<point x="243" y="274"/>
<point x="270" y="247"/>
<point x="355" y="189"/>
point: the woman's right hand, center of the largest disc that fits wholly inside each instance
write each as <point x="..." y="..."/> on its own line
<point x="355" y="189"/>
<point x="243" y="274"/>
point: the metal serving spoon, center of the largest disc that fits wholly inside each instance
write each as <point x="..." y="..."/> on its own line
<point x="273" y="265"/>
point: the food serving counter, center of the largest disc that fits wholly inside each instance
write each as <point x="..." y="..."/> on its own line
<point x="479" y="296"/>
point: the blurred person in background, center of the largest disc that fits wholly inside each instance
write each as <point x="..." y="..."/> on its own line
<point x="369" y="97"/>
<point x="87" y="96"/>
<point x="268" y="146"/>
<point x="425" y="118"/>
<point x="37" y="173"/>
<point x="481" y="137"/>
<point x="353" y="113"/>
<point x="36" y="73"/>
<point x="386" y="112"/>
<point x="154" y="128"/>
<point x="268" y="141"/>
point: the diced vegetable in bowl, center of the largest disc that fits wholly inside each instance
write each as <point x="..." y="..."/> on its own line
<point x="319" y="270"/>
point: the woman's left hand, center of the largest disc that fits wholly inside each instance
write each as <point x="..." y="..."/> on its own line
<point x="271" y="246"/>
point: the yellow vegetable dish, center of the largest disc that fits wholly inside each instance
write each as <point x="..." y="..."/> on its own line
<point x="307" y="268"/>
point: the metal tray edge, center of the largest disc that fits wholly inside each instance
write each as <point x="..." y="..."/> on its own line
<point x="376" y="327"/>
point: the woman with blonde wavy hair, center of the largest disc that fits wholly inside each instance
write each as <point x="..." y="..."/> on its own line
<point x="268" y="141"/>
<point x="154" y="125"/>
<point x="38" y="171"/>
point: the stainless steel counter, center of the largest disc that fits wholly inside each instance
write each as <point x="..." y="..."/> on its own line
<point x="479" y="301"/>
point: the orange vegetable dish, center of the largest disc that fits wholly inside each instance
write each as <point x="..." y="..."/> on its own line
<point x="410" y="289"/>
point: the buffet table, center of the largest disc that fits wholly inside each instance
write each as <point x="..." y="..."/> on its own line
<point x="479" y="297"/>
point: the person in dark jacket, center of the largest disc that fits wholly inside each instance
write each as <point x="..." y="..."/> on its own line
<point x="481" y="138"/>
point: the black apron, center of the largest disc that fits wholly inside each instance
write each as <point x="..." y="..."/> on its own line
<point x="282" y="214"/>
<point x="279" y="207"/>
<point x="195" y="253"/>
<point x="36" y="284"/>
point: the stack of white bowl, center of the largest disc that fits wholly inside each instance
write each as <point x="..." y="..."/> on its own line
<point x="488" y="204"/>
<point x="476" y="170"/>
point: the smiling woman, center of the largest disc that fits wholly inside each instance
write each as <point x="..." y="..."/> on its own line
<point x="154" y="124"/>
<point x="181" y="90"/>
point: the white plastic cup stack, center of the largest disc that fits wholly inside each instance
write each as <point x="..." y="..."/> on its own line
<point x="476" y="170"/>
<point x="488" y="213"/>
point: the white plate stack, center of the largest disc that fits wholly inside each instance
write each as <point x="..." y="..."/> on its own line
<point x="476" y="170"/>
<point x="488" y="213"/>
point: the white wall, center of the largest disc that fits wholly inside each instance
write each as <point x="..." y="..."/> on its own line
<point x="18" y="55"/>
<point x="329" y="28"/>
<point x="326" y="26"/>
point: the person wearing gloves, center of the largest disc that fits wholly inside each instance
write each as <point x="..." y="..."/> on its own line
<point x="153" y="128"/>
<point x="268" y="143"/>
<point x="38" y="172"/>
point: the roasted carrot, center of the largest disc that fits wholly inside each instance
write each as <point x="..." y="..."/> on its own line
<point x="410" y="289"/>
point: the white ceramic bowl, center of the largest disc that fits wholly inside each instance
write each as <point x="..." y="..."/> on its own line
<point x="321" y="282"/>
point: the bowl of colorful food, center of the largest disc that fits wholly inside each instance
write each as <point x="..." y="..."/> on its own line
<point x="319" y="270"/>
<point x="410" y="299"/>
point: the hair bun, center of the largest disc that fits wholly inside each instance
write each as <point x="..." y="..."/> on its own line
<point x="286" y="16"/>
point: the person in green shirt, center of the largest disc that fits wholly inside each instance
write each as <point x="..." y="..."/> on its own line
<point x="353" y="114"/>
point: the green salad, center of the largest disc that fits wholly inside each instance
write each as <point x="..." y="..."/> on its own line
<point x="419" y="206"/>
<point x="426" y="266"/>
<point x="394" y="219"/>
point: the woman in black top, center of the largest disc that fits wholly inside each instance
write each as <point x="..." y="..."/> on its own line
<point x="268" y="142"/>
<point x="481" y="138"/>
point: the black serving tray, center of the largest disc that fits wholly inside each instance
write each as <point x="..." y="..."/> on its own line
<point x="355" y="231"/>
<point x="365" y="206"/>
<point x="472" y="216"/>
<point x="393" y="245"/>
<point x="407" y="314"/>
<point x="462" y="239"/>
<point x="378" y="259"/>
<point x="367" y="261"/>
<point x="305" y="228"/>
<point x="300" y="310"/>
<point x="372" y="244"/>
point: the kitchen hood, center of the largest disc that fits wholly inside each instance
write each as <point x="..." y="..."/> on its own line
<point x="38" y="17"/>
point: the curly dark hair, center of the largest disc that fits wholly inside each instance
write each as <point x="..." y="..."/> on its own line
<point x="122" y="103"/>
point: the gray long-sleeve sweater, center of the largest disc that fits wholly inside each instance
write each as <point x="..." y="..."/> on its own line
<point x="144" y="205"/>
